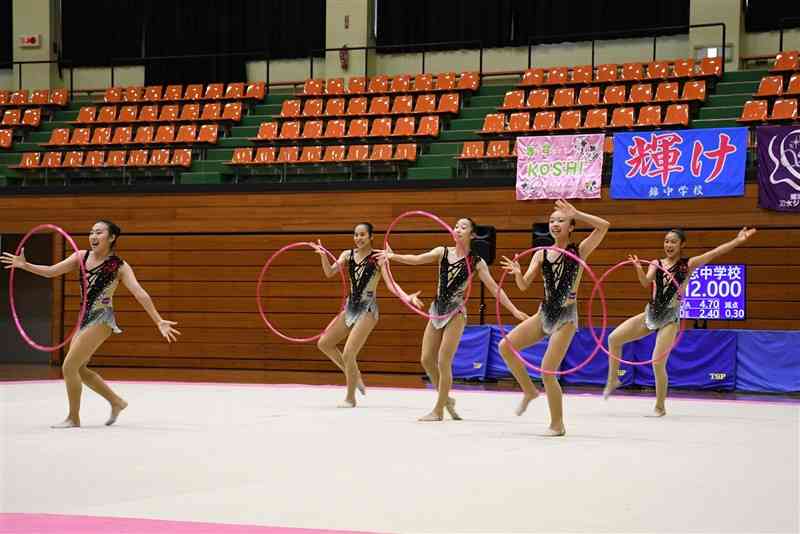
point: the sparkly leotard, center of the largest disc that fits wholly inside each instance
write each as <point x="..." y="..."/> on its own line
<point x="452" y="288"/>
<point x="561" y="278"/>
<point x="102" y="281"/>
<point x="665" y="305"/>
<point x="363" y="281"/>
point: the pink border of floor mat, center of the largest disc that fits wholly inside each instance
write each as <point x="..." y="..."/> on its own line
<point x="75" y="524"/>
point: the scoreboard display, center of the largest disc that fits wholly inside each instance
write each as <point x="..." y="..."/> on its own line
<point x="717" y="292"/>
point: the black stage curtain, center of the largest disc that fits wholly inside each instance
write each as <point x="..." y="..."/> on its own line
<point x="95" y="31"/>
<point x="548" y="21"/>
<point x="514" y="22"/>
<point x="766" y="15"/>
<point x="192" y="27"/>
<point x="282" y="29"/>
<point x="441" y="21"/>
<point x="6" y="35"/>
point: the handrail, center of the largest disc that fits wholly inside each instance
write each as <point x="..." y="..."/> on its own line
<point x="253" y="54"/>
<point x="424" y="49"/>
<point x="59" y="62"/>
<point x="643" y="32"/>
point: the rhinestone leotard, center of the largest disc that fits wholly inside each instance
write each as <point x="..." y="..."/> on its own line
<point x="103" y="281"/>
<point x="363" y="281"/>
<point x="453" y="279"/>
<point x="664" y="306"/>
<point x="560" y="280"/>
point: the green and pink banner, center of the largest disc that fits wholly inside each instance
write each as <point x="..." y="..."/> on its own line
<point x="559" y="166"/>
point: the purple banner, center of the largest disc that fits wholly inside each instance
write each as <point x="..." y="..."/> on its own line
<point x="779" y="167"/>
<point x="559" y="166"/>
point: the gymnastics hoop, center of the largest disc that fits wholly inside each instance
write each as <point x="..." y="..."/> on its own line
<point x="586" y="268"/>
<point x="395" y="285"/>
<point x="84" y="284"/>
<point x="653" y="359"/>
<point x="264" y="270"/>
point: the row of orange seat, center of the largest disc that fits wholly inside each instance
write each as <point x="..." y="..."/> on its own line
<point x="501" y="149"/>
<point x="756" y="111"/>
<point x="595" y="119"/>
<point x="449" y="103"/>
<point x="358" y="128"/>
<point x="96" y="159"/>
<point x="772" y="86"/>
<point x="628" y="72"/>
<point x="175" y="93"/>
<point x="213" y="111"/>
<point x="693" y="91"/>
<point x="786" y="61"/>
<point x="497" y="149"/>
<point x="29" y="118"/>
<point x="332" y="154"/>
<point x="772" y="89"/>
<point x="398" y="84"/>
<point x="39" y="97"/>
<point x="145" y="135"/>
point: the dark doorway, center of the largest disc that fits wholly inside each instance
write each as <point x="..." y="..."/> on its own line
<point x="33" y="295"/>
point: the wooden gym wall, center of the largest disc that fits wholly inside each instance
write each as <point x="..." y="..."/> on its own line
<point x="199" y="256"/>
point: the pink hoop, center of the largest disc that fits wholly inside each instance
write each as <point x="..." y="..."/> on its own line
<point x="586" y="268"/>
<point x="394" y="284"/>
<point x="261" y="280"/>
<point x="591" y="325"/>
<point x="85" y="286"/>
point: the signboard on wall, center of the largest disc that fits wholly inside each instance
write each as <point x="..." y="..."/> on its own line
<point x="716" y="291"/>
<point x="679" y="164"/>
<point x="559" y="166"/>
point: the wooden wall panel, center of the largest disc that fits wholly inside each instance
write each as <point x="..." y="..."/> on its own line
<point x="336" y="211"/>
<point x="199" y="256"/>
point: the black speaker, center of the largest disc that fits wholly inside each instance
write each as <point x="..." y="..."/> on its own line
<point x="540" y="235"/>
<point x="485" y="243"/>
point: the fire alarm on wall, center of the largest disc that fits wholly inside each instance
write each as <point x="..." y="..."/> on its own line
<point x="30" y="41"/>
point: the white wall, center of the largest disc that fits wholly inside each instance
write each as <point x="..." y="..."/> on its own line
<point x="283" y="70"/>
<point x="728" y="12"/>
<point x="641" y="50"/>
<point x="100" y="77"/>
<point x="33" y="17"/>
<point x="766" y="43"/>
<point x="456" y="60"/>
<point x="356" y="34"/>
<point x="8" y="79"/>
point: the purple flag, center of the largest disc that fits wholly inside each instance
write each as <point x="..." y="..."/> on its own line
<point x="779" y="167"/>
